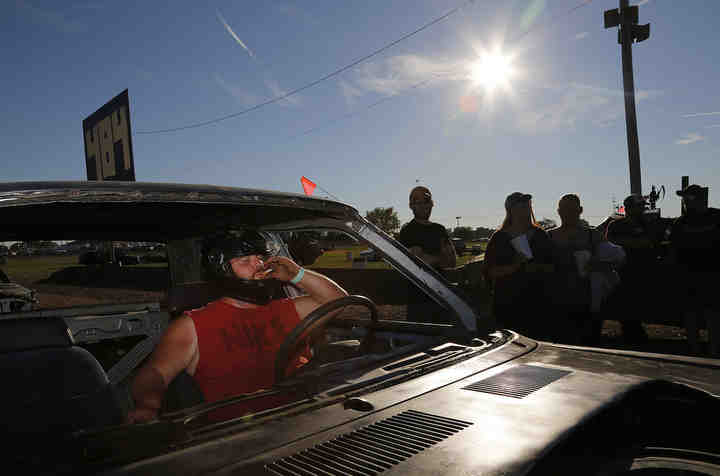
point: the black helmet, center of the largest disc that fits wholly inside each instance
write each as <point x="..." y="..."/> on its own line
<point x="220" y="250"/>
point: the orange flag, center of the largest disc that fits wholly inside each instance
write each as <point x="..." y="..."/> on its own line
<point x="307" y="185"/>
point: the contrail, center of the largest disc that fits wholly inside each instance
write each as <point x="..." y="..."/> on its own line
<point x="232" y="33"/>
<point x="699" y="114"/>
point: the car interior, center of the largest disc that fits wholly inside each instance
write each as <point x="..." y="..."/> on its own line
<point x="71" y="365"/>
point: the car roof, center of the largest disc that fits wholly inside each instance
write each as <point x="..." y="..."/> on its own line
<point x="147" y="211"/>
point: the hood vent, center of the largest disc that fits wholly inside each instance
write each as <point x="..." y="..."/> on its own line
<point x="371" y="449"/>
<point x="518" y="382"/>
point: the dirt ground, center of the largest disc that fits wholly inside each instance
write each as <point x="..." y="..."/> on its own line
<point x="662" y="339"/>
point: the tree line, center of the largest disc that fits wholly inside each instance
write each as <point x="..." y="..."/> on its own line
<point x="386" y="218"/>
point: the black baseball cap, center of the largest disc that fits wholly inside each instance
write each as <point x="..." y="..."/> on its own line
<point x="693" y="189"/>
<point x="634" y="200"/>
<point x="516" y="197"/>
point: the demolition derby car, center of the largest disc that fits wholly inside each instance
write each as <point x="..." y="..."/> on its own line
<point x="409" y="378"/>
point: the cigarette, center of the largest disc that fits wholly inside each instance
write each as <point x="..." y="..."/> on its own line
<point x="267" y="271"/>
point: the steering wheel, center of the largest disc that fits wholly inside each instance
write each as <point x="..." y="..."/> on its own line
<point x="313" y="321"/>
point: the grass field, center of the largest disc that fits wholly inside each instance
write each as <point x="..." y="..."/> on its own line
<point x="32" y="269"/>
<point x="27" y="270"/>
<point x="338" y="258"/>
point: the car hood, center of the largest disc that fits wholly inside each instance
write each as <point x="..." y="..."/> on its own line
<point x="498" y="413"/>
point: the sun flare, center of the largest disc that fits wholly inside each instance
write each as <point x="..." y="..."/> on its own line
<point x="491" y="70"/>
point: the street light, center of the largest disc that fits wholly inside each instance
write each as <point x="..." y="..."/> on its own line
<point x="626" y="17"/>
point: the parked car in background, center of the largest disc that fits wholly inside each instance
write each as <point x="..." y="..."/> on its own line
<point x="91" y="257"/>
<point x="385" y="392"/>
<point x="459" y="245"/>
<point x="126" y="259"/>
<point x="369" y="255"/>
<point x="14" y="297"/>
<point x="154" y="257"/>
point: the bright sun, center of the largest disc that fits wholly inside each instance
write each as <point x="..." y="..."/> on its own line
<point x="491" y="70"/>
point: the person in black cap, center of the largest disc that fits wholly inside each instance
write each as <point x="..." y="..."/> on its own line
<point x="640" y="238"/>
<point x="431" y="243"/>
<point x="695" y="249"/>
<point x="517" y="259"/>
<point x="427" y="240"/>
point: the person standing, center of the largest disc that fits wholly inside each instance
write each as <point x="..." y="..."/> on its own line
<point x="695" y="249"/>
<point x="517" y="260"/>
<point x="641" y="241"/>
<point x="427" y="240"/>
<point x="574" y="243"/>
<point x="431" y="243"/>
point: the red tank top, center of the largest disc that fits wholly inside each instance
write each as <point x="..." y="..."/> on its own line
<point x="237" y="350"/>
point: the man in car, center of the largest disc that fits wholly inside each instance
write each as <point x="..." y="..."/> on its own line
<point x="695" y="248"/>
<point x="229" y="345"/>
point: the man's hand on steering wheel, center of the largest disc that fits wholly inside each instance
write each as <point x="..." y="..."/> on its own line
<point x="318" y="319"/>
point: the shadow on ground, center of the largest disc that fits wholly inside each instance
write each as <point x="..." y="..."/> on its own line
<point x="117" y="277"/>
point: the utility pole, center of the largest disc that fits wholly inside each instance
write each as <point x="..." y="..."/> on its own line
<point x="626" y="17"/>
<point x="684" y="182"/>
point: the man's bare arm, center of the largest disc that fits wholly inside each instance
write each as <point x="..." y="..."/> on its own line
<point x="447" y="258"/>
<point x="173" y="354"/>
<point x="319" y="288"/>
<point x="448" y="255"/>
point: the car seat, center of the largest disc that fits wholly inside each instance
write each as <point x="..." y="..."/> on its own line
<point x="52" y="386"/>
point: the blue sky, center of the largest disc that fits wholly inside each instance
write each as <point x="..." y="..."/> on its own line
<point x="555" y="126"/>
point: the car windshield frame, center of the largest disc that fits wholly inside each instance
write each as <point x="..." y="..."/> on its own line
<point x="67" y="199"/>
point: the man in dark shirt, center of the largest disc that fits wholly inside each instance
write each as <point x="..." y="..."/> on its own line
<point x="427" y="240"/>
<point x="640" y="238"/>
<point x="431" y="243"/>
<point x="695" y="249"/>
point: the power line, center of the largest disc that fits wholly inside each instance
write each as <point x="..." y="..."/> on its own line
<point x="416" y="85"/>
<point x="313" y="83"/>
<point x="351" y="65"/>
<point x="355" y="113"/>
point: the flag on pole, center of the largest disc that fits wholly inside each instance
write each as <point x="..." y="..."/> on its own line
<point x="307" y="185"/>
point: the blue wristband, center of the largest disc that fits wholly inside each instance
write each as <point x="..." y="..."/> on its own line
<point x="298" y="276"/>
